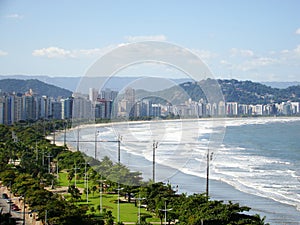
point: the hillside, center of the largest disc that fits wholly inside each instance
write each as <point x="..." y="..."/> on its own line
<point x="38" y="87"/>
<point x="71" y="83"/>
<point x="244" y="92"/>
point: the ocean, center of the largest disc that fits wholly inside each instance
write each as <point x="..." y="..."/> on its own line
<point x="253" y="161"/>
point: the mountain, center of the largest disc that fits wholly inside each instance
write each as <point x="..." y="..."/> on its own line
<point x="114" y="82"/>
<point x="69" y="83"/>
<point x="38" y="87"/>
<point x="248" y="92"/>
<point x="243" y="92"/>
<point x="281" y="85"/>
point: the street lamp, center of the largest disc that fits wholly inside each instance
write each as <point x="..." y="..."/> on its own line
<point x="57" y="170"/>
<point x="139" y="208"/>
<point x="208" y="159"/>
<point x="119" y="189"/>
<point x="119" y="148"/>
<point x="96" y="135"/>
<point x="165" y="210"/>
<point x="87" y="188"/>
<point x="85" y="180"/>
<point x="65" y="131"/>
<point x="78" y="138"/>
<point x="75" y="169"/>
<point x="100" y="197"/>
<point x="155" y="145"/>
<point x="49" y="162"/>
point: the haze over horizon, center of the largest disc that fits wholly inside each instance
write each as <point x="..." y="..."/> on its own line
<point x="249" y="40"/>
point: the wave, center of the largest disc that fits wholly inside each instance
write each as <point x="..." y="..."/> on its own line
<point x="184" y="148"/>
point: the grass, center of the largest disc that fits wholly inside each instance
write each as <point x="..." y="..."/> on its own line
<point x="64" y="182"/>
<point x="128" y="211"/>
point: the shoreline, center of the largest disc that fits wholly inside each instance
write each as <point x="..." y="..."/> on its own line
<point x="95" y="125"/>
<point x="218" y="188"/>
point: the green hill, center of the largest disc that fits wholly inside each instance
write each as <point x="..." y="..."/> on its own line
<point x="243" y="92"/>
<point x="40" y="88"/>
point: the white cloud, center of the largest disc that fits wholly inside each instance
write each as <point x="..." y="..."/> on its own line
<point x="298" y="31"/>
<point x="249" y="64"/>
<point x="297" y="50"/>
<point x="14" y="16"/>
<point x="225" y="62"/>
<point x="205" y="54"/>
<point x="56" y="52"/>
<point x="3" y="53"/>
<point x="160" y="37"/>
<point x="290" y="54"/>
<point x="234" y="52"/>
<point x="52" y="52"/>
<point x="255" y="63"/>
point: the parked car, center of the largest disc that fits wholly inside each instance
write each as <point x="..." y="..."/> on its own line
<point x="4" y="196"/>
<point x="15" y="208"/>
<point x="9" y="201"/>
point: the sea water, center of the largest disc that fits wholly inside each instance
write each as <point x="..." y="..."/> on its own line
<point x="253" y="161"/>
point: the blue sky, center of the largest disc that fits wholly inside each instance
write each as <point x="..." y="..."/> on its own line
<point x="247" y="40"/>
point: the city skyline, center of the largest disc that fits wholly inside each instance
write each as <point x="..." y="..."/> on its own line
<point x="108" y="104"/>
<point x="252" y="40"/>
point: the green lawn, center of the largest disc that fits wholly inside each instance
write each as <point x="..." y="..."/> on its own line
<point x="63" y="181"/>
<point x="128" y="211"/>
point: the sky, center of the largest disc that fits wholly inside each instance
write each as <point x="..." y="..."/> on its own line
<point x="256" y="40"/>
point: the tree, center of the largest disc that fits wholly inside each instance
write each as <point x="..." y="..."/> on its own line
<point x="74" y="191"/>
<point x="94" y="188"/>
<point x="109" y="218"/>
<point x="71" y="175"/>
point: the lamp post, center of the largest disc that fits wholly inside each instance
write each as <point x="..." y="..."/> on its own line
<point x="87" y="189"/>
<point x="155" y="144"/>
<point x="78" y="138"/>
<point x="75" y="169"/>
<point x="165" y="210"/>
<point x="57" y="174"/>
<point x="36" y="152"/>
<point x="96" y="134"/>
<point x="54" y="126"/>
<point x="10" y="196"/>
<point x="119" y="148"/>
<point x="65" y="132"/>
<point x="49" y="162"/>
<point x="85" y="178"/>
<point x="100" y="196"/>
<point x="139" y="208"/>
<point x="208" y="159"/>
<point x="119" y="189"/>
<point x="24" y="222"/>
<point x="46" y="216"/>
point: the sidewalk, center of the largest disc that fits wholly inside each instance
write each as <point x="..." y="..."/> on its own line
<point x="30" y="218"/>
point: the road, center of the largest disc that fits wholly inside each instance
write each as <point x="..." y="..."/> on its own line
<point x="5" y="209"/>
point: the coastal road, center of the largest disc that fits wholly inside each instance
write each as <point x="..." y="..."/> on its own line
<point x="4" y="206"/>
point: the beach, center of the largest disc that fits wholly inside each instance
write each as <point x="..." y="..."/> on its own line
<point x="190" y="180"/>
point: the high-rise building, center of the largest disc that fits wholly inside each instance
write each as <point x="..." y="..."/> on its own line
<point x="82" y="107"/>
<point x="9" y="109"/>
<point x="108" y="94"/>
<point x="295" y="107"/>
<point x="56" y="110"/>
<point x="93" y="95"/>
<point x="156" y="110"/>
<point x="231" y="108"/>
<point x="29" y="108"/>
<point x="67" y="108"/>
<point x="2" y="108"/>
<point x="18" y="107"/>
<point x="221" y="108"/>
